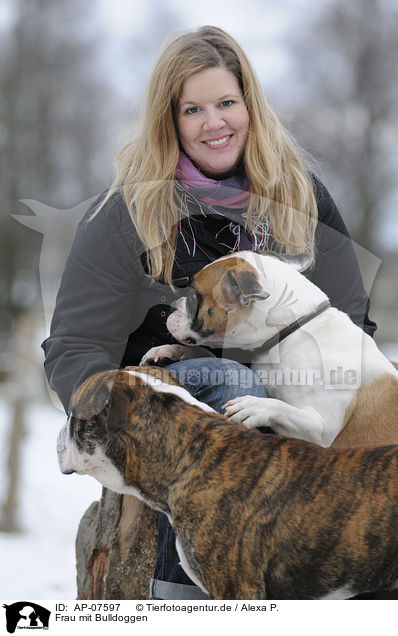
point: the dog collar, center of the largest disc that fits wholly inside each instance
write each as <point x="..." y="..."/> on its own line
<point x="294" y="326"/>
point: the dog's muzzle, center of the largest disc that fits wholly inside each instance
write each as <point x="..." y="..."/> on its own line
<point x="64" y="459"/>
<point x="179" y="321"/>
<point x="176" y="306"/>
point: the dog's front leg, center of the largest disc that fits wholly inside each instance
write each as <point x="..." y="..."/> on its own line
<point x="303" y="423"/>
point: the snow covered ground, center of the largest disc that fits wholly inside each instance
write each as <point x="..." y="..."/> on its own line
<point x="39" y="562"/>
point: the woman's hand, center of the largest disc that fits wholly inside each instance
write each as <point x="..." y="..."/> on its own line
<point x="166" y="354"/>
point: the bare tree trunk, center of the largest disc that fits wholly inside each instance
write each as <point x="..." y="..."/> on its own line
<point x="116" y="548"/>
<point x="8" y="516"/>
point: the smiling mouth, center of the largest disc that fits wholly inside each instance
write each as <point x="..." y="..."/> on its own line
<point x="217" y="142"/>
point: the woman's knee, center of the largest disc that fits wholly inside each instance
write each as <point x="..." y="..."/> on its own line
<point x="217" y="380"/>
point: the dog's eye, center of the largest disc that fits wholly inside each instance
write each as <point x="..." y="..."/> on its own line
<point x="210" y="311"/>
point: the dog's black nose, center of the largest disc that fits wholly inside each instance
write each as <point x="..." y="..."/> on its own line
<point x="68" y="471"/>
<point x="190" y="340"/>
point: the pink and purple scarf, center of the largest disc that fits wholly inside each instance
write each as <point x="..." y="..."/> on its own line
<point x="233" y="192"/>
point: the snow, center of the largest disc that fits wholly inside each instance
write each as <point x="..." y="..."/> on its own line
<point x="39" y="562"/>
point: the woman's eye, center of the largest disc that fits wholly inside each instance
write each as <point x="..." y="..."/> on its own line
<point x="192" y="110"/>
<point x="227" y="103"/>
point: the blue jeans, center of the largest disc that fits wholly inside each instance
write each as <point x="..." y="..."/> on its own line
<point x="213" y="381"/>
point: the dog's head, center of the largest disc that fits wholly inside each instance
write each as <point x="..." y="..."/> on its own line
<point x="219" y="300"/>
<point x="100" y="434"/>
<point x="241" y="299"/>
<point x="117" y="429"/>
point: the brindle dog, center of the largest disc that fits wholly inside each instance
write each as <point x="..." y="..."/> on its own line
<point x="256" y="516"/>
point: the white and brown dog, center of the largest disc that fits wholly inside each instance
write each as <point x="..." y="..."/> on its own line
<point x="328" y="383"/>
<point x="256" y="516"/>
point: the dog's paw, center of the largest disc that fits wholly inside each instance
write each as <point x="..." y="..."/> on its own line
<point x="248" y="410"/>
<point x="165" y="354"/>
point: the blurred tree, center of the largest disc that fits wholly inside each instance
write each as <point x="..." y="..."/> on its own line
<point x="50" y="118"/>
<point x="50" y="115"/>
<point x="161" y="24"/>
<point x="345" y="92"/>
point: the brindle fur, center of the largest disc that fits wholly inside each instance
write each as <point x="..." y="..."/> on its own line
<point x="258" y="516"/>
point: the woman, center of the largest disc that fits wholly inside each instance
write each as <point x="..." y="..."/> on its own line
<point x="213" y="171"/>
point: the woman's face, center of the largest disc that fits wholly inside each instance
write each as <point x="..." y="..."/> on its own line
<point x="212" y="121"/>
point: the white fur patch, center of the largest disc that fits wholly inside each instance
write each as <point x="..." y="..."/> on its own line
<point x="340" y="594"/>
<point x="163" y="387"/>
<point x="187" y="568"/>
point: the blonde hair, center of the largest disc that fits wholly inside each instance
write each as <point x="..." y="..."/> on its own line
<point x="281" y="187"/>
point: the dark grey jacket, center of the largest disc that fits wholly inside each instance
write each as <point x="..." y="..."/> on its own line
<point x="109" y="312"/>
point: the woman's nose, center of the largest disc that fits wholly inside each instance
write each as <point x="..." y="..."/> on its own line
<point x="213" y="120"/>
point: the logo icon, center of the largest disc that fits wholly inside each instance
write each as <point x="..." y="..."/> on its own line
<point x="26" y="615"/>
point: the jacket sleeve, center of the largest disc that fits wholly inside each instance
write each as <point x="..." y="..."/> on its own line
<point x="336" y="270"/>
<point x="95" y="303"/>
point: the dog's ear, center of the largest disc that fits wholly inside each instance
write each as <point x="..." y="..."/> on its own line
<point x="118" y="407"/>
<point x="241" y="288"/>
